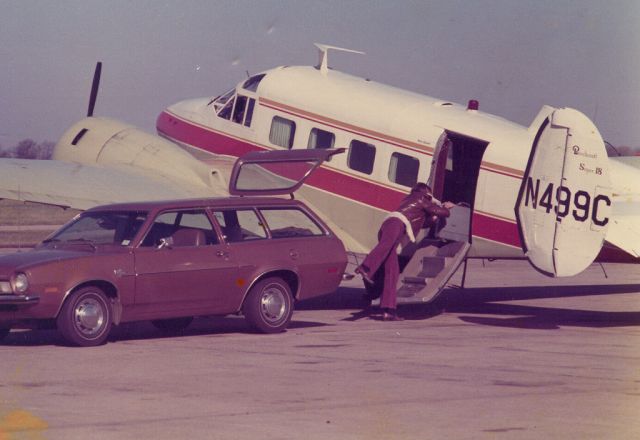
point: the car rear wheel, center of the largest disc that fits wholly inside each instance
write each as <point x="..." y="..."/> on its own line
<point x="4" y="331"/>
<point x="269" y="305"/>
<point x="85" y="319"/>
<point x="173" y="324"/>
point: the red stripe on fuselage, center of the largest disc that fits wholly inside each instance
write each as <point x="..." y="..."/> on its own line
<point x="495" y="229"/>
<point x="324" y="178"/>
<point x="327" y="179"/>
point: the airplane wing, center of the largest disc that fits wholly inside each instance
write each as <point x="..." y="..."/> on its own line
<point x="624" y="230"/>
<point x="100" y="161"/>
<point x="82" y="186"/>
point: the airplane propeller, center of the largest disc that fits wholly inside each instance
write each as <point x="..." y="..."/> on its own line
<point x="94" y="88"/>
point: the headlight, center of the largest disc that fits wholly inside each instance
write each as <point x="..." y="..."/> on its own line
<point x="20" y="283"/>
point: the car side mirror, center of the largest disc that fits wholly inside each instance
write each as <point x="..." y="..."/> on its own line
<point x="166" y="242"/>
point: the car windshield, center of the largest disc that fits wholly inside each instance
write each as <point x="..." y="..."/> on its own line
<point x="106" y="227"/>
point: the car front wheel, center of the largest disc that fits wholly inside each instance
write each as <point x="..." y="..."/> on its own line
<point x="4" y="331"/>
<point x="85" y="319"/>
<point x="269" y="305"/>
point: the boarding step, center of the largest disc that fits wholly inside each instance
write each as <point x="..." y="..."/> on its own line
<point x="431" y="266"/>
<point x="428" y="272"/>
<point x="415" y="280"/>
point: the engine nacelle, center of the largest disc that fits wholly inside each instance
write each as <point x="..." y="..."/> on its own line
<point x="110" y="143"/>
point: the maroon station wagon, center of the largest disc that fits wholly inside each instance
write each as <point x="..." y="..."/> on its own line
<point x="169" y="261"/>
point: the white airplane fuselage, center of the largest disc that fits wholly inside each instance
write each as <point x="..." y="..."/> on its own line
<point x="391" y="136"/>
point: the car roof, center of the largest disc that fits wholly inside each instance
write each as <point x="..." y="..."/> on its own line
<point x="218" y="202"/>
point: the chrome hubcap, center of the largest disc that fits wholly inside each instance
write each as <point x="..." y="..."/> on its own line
<point x="273" y="304"/>
<point x="89" y="316"/>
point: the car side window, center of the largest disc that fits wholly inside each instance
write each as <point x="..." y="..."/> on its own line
<point x="240" y="225"/>
<point x="181" y="229"/>
<point x="290" y="222"/>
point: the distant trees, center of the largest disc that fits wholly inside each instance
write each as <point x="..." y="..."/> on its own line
<point x="29" y="149"/>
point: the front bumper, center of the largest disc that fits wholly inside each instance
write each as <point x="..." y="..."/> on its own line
<point x="19" y="300"/>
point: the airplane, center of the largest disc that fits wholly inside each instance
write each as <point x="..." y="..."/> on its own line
<point x="547" y="192"/>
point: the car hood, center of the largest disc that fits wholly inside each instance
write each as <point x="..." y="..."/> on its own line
<point x="9" y="263"/>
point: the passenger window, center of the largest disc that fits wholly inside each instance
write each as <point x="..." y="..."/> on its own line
<point x="320" y="139"/>
<point x="285" y="223"/>
<point x="403" y="169"/>
<point x="282" y="132"/>
<point x="225" y="113"/>
<point x="238" y="111"/>
<point x="181" y="229"/>
<point x="361" y="156"/>
<point x="247" y="120"/>
<point x="240" y="225"/>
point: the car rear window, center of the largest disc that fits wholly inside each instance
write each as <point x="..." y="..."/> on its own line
<point x="290" y="222"/>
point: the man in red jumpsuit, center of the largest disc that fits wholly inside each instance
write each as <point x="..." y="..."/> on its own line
<point x="407" y="220"/>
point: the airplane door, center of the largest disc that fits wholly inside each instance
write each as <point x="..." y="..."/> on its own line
<point x="438" y="166"/>
<point x="564" y="203"/>
<point x="454" y="177"/>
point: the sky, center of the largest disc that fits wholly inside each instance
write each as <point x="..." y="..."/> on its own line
<point x="512" y="55"/>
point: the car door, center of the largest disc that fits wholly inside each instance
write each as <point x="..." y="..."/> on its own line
<point x="302" y="243"/>
<point x="181" y="266"/>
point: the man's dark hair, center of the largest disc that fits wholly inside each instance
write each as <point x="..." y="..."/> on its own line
<point x="422" y="188"/>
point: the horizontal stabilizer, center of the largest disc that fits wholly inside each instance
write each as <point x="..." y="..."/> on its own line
<point x="624" y="230"/>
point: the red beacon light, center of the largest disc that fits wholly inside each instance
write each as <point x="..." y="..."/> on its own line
<point x="473" y="105"/>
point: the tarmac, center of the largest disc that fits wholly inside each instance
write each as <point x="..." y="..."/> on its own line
<point x="515" y="355"/>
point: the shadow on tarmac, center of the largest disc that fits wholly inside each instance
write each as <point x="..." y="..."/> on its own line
<point x="489" y="301"/>
<point x="469" y="302"/>
<point x="135" y="331"/>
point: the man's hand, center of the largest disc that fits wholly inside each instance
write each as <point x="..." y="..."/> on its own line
<point x="448" y="205"/>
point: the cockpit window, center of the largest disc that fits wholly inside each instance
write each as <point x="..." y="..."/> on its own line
<point x="225" y="113"/>
<point x="221" y="100"/>
<point x="252" y="83"/>
<point x="238" y="112"/>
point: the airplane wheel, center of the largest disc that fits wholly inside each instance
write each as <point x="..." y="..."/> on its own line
<point x="269" y="305"/>
<point x="85" y="319"/>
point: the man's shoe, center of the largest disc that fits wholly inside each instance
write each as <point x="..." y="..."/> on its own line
<point x="386" y="316"/>
<point x="363" y="273"/>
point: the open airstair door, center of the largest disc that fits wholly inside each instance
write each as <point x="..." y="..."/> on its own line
<point x="564" y="204"/>
<point x="429" y="270"/>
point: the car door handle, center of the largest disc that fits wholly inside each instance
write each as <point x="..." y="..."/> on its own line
<point x="222" y="254"/>
<point x="293" y="254"/>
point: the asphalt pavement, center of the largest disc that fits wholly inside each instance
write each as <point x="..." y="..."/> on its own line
<point x="515" y="355"/>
